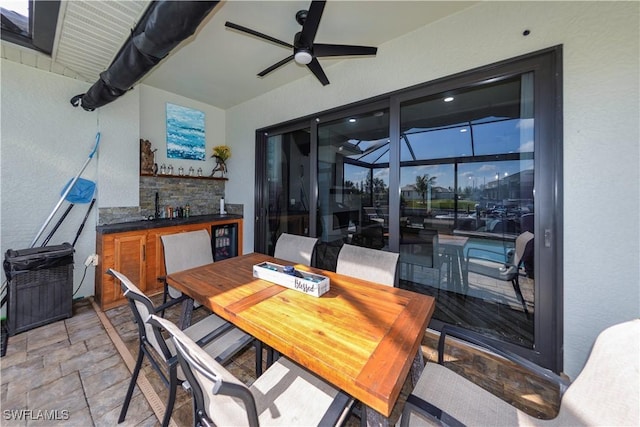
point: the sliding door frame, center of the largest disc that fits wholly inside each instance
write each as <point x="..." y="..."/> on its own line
<point x="548" y="177"/>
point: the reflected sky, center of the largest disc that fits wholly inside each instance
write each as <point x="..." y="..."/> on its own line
<point x="484" y="137"/>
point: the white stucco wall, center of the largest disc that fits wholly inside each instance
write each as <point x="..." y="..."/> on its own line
<point x="44" y="142"/>
<point x="153" y="127"/>
<point x="601" y="133"/>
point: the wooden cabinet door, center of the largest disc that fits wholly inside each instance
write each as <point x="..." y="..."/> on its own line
<point x="130" y="260"/>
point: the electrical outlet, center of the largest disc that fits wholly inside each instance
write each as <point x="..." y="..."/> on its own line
<point x="91" y="260"/>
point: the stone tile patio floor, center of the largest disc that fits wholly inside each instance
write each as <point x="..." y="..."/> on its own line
<point x="70" y="373"/>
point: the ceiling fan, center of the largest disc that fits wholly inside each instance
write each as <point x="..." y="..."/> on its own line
<point x="305" y="51"/>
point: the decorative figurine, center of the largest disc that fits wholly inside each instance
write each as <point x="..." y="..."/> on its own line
<point x="147" y="156"/>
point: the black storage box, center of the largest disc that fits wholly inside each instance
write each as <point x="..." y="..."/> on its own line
<point x="40" y="289"/>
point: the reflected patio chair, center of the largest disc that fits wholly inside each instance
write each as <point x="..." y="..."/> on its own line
<point x="371" y="215"/>
<point x="605" y="393"/>
<point x="369" y="236"/>
<point x="368" y="264"/>
<point x="294" y="248"/>
<point x="479" y="261"/>
<point x="219" y="338"/>
<point x="424" y="252"/>
<point x="285" y="395"/>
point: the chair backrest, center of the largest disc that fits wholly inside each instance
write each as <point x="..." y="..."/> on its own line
<point x="521" y="244"/>
<point x="142" y="307"/>
<point x="431" y="245"/>
<point x="526" y="222"/>
<point x="607" y="391"/>
<point x="294" y="248"/>
<point x="368" y="264"/>
<point x="215" y="390"/>
<point x="186" y="250"/>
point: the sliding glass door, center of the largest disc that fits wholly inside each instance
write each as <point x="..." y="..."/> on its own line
<point x="461" y="177"/>
<point x="467" y="180"/>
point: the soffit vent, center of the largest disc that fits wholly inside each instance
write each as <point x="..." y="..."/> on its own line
<point x="92" y="33"/>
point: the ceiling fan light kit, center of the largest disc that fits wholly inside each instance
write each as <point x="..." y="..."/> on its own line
<point x="302" y="57"/>
<point x="305" y="51"/>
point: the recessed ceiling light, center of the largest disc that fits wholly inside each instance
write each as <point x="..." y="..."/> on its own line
<point x="352" y="120"/>
<point x="463" y="130"/>
<point x="378" y="114"/>
<point x="448" y="99"/>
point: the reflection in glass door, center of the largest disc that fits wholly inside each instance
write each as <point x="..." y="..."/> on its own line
<point x="353" y="180"/>
<point x="447" y="175"/>
<point x="286" y="199"/>
<point x="467" y="206"/>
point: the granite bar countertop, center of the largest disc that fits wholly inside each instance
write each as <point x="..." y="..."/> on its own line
<point x="159" y="223"/>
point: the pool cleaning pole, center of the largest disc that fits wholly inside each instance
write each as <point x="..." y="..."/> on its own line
<point x="67" y="191"/>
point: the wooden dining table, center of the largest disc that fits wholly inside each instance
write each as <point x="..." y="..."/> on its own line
<point x="360" y="336"/>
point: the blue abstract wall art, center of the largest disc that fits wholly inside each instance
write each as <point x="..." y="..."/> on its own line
<point x="185" y="133"/>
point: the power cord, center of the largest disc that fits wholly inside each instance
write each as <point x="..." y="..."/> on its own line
<point x="81" y="280"/>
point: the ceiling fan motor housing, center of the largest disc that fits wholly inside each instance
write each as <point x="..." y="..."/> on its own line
<point x="302" y="53"/>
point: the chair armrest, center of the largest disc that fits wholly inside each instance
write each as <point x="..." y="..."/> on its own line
<point x="485" y="343"/>
<point x="170" y="303"/>
<point x="226" y="326"/>
<point x="428" y="410"/>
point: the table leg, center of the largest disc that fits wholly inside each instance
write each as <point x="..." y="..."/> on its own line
<point x="185" y="314"/>
<point x="372" y="418"/>
<point x="416" y="367"/>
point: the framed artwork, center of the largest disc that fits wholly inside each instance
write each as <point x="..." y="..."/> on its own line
<point x="185" y="133"/>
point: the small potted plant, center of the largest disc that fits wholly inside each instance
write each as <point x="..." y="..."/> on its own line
<point x="221" y="154"/>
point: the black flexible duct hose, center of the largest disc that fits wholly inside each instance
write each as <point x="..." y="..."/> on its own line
<point x="164" y="25"/>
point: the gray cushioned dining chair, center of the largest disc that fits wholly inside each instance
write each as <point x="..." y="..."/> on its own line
<point x="368" y="264"/>
<point x="294" y="248"/>
<point x="284" y="395"/>
<point x="183" y="251"/>
<point x="219" y="338"/>
<point x="605" y="393"/>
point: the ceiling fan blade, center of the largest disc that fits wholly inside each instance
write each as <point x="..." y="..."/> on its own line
<point x="324" y="50"/>
<point x="257" y="34"/>
<point x="316" y="69"/>
<point x="274" y="66"/>
<point x="310" y="27"/>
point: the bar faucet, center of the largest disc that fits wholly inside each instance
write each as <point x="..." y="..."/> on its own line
<point x="157" y="212"/>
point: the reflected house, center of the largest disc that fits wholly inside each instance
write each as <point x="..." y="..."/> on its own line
<point x="515" y="187"/>
<point x="409" y="193"/>
<point x="441" y="193"/>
